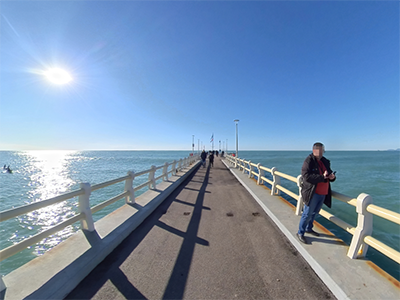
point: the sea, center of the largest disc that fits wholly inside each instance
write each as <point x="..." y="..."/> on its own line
<point x="39" y="175"/>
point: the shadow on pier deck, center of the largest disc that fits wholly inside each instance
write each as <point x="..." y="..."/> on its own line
<point x="208" y="240"/>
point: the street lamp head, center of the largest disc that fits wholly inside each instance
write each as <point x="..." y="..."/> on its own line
<point x="236" y="120"/>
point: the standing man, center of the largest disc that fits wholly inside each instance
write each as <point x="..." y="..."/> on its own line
<point x="211" y="158"/>
<point x="316" y="189"/>
<point x="203" y="158"/>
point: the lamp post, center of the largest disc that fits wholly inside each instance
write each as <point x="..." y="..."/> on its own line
<point x="192" y="144"/>
<point x="237" y="141"/>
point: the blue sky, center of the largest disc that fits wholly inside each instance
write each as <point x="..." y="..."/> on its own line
<point x="149" y="75"/>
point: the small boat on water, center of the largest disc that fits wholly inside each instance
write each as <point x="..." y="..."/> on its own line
<point x="7" y="169"/>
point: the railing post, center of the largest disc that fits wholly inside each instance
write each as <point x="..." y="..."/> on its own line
<point x="174" y="168"/>
<point x="129" y="188"/>
<point x="358" y="248"/>
<point x="299" y="206"/>
<point x="84" y="207"/>
<point x="277" y="181"/>
<point x="184" y="162"/>
<point x="180" y="164"/>
<point x="243" y="166"/>
<point x="165" y="172"/>
<point x="261" y="173"/>
<point x="152" y="178"/>
<point x="236" y="162"/>
<point x="250" y="169"/>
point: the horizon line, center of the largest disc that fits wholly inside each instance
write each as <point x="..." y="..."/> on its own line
<point x="230" y="150"/>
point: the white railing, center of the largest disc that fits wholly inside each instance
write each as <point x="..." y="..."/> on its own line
<point x="363" y="203"/>
<point x="84" y="210"/>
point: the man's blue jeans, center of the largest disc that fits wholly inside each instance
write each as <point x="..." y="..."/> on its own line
<point x="310" y="211"/>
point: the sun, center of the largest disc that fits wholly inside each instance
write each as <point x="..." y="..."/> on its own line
<point x="58" y="76"/>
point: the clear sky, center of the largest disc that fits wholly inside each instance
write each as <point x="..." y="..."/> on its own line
<point x="150" y="75"/>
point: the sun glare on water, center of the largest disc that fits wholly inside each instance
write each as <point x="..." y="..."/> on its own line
<point x="49" y="175"/>
<point x="58" y="76"/>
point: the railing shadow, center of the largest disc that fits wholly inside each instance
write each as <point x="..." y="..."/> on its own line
<point x="177" y="282"/>
<point x="326" y="239"/>
<point x="109" y="269"/>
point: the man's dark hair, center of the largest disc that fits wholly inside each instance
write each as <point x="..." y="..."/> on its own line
<point x="318" y="144"/>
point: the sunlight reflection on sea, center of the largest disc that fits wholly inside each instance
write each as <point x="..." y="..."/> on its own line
<point x="49" y="176"/>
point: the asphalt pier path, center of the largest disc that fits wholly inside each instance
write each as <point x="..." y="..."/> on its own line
<point x="209" y="240"/>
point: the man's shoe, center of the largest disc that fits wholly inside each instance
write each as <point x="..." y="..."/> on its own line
<point x="312" y="232"/>
<point x="301" y="238"/>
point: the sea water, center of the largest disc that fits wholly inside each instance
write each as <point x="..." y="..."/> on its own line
<point x="40" y="175"/>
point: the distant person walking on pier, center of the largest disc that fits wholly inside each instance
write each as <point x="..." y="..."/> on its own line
<point x="211" y="159"/>
<point x="203" y="158"/>
<point x="316" y="189"/>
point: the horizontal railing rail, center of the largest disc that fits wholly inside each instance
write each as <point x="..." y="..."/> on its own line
<point x="85" y="211"/>
<point x="365" y="209"/>
<point x="15" y="212"/>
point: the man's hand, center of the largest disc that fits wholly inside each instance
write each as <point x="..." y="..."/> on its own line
<point x="329" y="176"/>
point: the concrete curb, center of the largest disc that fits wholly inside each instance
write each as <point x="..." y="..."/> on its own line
<point x="57" y="272"/>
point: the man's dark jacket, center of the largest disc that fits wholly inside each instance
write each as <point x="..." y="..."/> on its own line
<point x="312" y="176"/>
<point x="203" y="155"/>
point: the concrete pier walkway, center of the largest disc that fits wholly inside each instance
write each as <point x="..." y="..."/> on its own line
<point x="208" y="240"/>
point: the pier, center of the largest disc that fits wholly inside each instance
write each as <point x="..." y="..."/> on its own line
<point x="208" y="240"/>
<point x="216" y="235"/>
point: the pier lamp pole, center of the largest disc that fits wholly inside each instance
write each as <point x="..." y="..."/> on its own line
<point x="237" y="141"/>
<point x="192" y="144"/>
